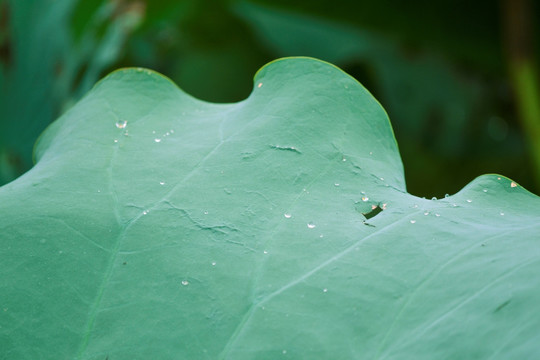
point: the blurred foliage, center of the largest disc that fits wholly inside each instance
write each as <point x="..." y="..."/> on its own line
<point x="52" y="53"/>
<point x="438" y="68"/>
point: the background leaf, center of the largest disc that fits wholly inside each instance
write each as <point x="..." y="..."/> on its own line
<point x="155" y="225"/>
<point x="48" y="63"/>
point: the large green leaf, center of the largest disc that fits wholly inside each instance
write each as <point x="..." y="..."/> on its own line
<point x="158" y="226"/>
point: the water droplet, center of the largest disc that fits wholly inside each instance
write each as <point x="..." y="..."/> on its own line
<point x="185" y="282"/>
<point x="382" y="179"/>
<point x="437" y="215"/>
<point x="145" y="212"/>
<point x="213" y="263"/>
<point x="446" y="195"/>
<point x="259" y="85"/>
<point x="321" y="236"/>
<point x="206" y="213"/>
<point x="499" y="178"/>
<point x="469" y="201"/>
<point x="434" y="198"/>
<point x="172" y="131"/>
<point x="284" y="352"/>
<point x="157" y="140"/>
<point x="153" y="131"/>
<point x="502" y="214"/>
<point x="336" y="184"/>
<point x="325" y="290"/>
<point x="167" y="133"/>
<point x="365" y="198"/>
<point x="371" y="153"/>
<point x="121" y="124"/>
<point x="288" y="216"/>
<point x="265" y="252"/>
<point x="311" y="225"/>
<point x="343" y="158"/>
<point x="126" y="133"/>
<point x="413" y="221"/>
<point x="485" y="190"/>
<point x="426" y="213"/>
<point x="513" y="184"/>
<point x="162" y="183"/>
<point x="115" y="140"/>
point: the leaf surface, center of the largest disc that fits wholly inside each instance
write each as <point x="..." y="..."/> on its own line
<point x="155" y="225"/>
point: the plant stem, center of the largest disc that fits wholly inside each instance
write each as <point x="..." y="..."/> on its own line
<point x="524" y="74"/>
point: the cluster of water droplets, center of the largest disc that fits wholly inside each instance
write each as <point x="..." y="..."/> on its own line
<point x="158" y="139"/>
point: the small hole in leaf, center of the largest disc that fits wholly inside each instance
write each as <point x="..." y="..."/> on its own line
<point x="375" y="210"/>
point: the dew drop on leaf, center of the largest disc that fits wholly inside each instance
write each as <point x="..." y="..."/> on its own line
<point x="311" y="225"/>
<point x="162" y="183"/>
<point x="413" y="221"/>
<point x="469" y="201"/>
<point x="185" y="282"/>
<point x="513" y="184"/>
<point x="157" y="140"/>
<point x="365" y="198"/>
<point x="288" y="216"/>
<point x="325" y="290"/>
<point x="121" y="124"/>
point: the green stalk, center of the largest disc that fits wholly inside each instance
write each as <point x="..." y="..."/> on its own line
<point x="519" y="45"/>
<point x="525" y="82"/>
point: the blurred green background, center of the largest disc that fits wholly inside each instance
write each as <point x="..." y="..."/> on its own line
<point x="458" y="79"/>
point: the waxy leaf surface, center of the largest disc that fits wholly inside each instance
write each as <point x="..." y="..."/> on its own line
<point x="157" y="226"/>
